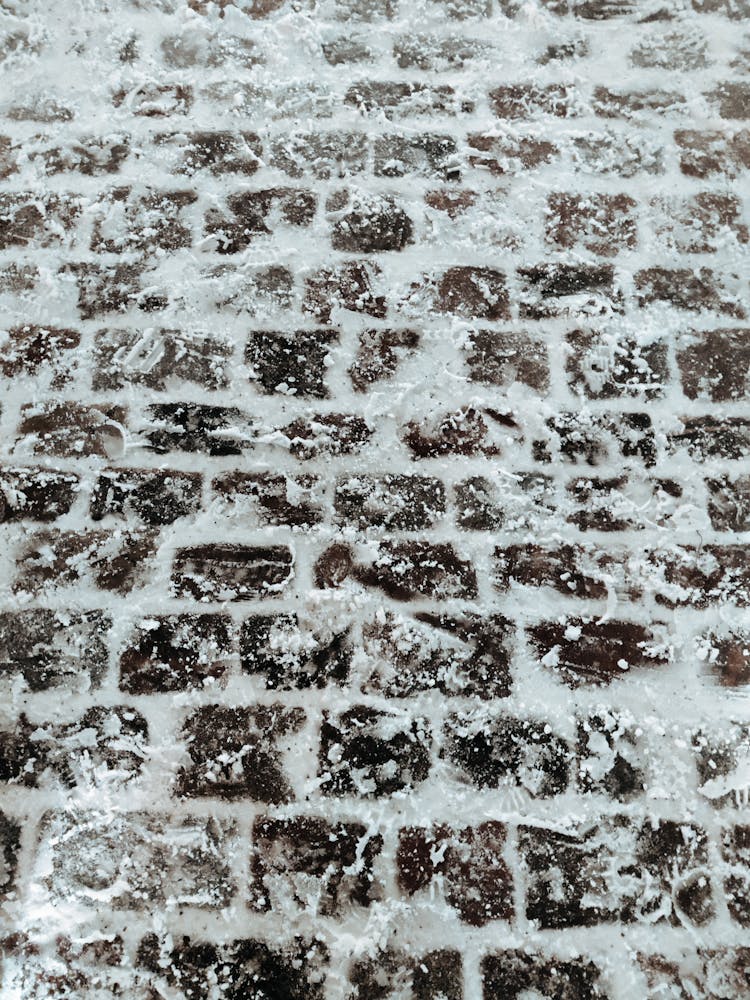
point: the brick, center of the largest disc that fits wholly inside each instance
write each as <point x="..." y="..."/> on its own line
<point x="352" y="286"/>
<point x="685" y="289"/>
<point x="291" y="364"/>
<point x="372" y="753"/>
<point x="107" y="288"/>
<point x="597" y="438"/>
<point x="649" y="873"/>
<point x="72" y="430"/>
<point x="327" y="155"/>
<point x="606" y="365"/>
<point x="589" y="653"/>
<point x="236" y="753"/>
<point x="502" y="751"/>
<point x="139" y="859"/>
<point x="521" y="500"/>
<point x="413" y="569"/>
<point x="10" y="845"/>
<point x="258" y="291"/>
<point x="327" y="434"/>
<point x="295" y="652"/>
<point x="523" y="101"/>
<point x="720" y="756"/>
<point x="509" y="154"/>
<point x="431" y="52"/>
<point x="571" y="570"/>
<point x="32" y="221"/>
<point x="709" y="437"/>
<point x="576" y="49"/>
<point x="549" y="290"/>
<point x="714" y="364"/>
<point x="634" y="104"/>
<point x="703" y="577"/>
<point x="455" y="654"/>
<point x="92" y="156"/>
<point x="39" y="352"/>
<point x="196" y="427"/>
<point x="176" y="653"/>
<point x="252" y="213"/>
<point x="378" y="355"/>
<point x="497" y="358"/>
<point x="609" y="153"/>
<point x="144" y="222"/>
<point x="704" y="153"/>
<point x="8" y="157"/>
<point x="146" y="496"/>
<point x="475" y="878"/>
<point x="225" y="572"/>
<point x="390" y="501"/>
<point x="346" y="49"/>
<point x="623" y="503"/>
<point x="427" y="155"/>
<point x="610" y="757"/>
<point x="36" y="494"/>
<point x="736" y="854"/>
<point x="158" y="359"/>
<point x="729" y="503"/>
<point x="155" y="100"/>
<point x="464" y="432"/>
<point x="116" y="562"/>
<point x="463" y="10"/>
<point x="397" y="100"/>
<point x="45" y="110"/>
<point x="729" y="658"/>
<point x="54" y="649"/>
<point x="433" y="975"/>
<point x="603" y="224"/>
<point x="219" y="153"/>
<point x="701" y="223"/>
<point x="196" y="967"/>
<point x="509" y="975"/>
<point x="311" y="864"/>
<point x="731" y="100"/>
<point x="679" y="51"/>
<point x="292" y="501"/>
<point x="104" y="741"/>
<point x="369" y="224"/>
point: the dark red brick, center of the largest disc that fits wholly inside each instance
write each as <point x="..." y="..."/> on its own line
<point x="378" y="355"/>
<point x="396" y="99"/>
<point x="729" y="503"/>
<point x="632" y="104"/>
<point x="158" y="359"/>
<point x="472" y="293"/>
<point x="293" y="364"/>
<point x="523" y="101"/>
<point x="10" y="845"/>
<point x="609" y="757"/>
<point x="36" y="351"/>
<point x="596" y="438"/>
<point x="709" y="437"/>
<point x="413" y="569"/>
<point x="707" y="152"/>
<point x="434" y="975"/>
<point x="252" y="213"/>
<point x="604" y="224"/>
<point x="464" y="432"/>
<point x="327" y="434"/>
<point x="51" y="649"/>
<point x="714" y="364"/>
<point x="112" y="561"/>
<point x="513" y="975"/>
<point x="36" y="494"/>
<point x="549" y="290"/>
<point x="606" y="365"/>
<point x="31" y="221"/>
<point x="369" y="224"/>
<point x="176" y="653"/>
<point x="687" y="289"/>
<point x="236" y="753"/>
<point x="389" y="501"/>
<point x="148" y="496"/>
<point x="73" y="430"/>
<point x="293" y="652"/>
<point x="219" y="153"/>
<point x="731" y="100"/>
<point x="498" y="358"/>
<point x="142" y="223"/>
<point x="509" y="154"/>
<point x="730" y="663"/>
<point x="91" y="156"/>
<point x="155" y="100"/>
<point x="736" y="855"/>
<point x="225" y="572"/>
<point x="353" y="286"/>
<point x="571" y="570"/>
<point x="196" y="427"/>
<point x="322" y="155"/>
<point x="427" y="155"/>
<point x="293" y="501"/>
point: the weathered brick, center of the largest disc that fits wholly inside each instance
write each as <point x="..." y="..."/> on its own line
<point x="413" y="569"/>
<point x="471" y="293"/>
<point x="571" y="570"/>
<point x="601" y="223"/>
<point x="397" y="100"/>
<point x="10" y="844"/>
<point x="454" y="654"/>
<point x="36" y="494"/>
<point x="176" y="653"/>
<point x="236" y="753"/>
<point x="523" y="101"/>
<point x="497" y="751"/>
<point x="707" y="152"/>
<point x="516" y="501"/>
<point x="508" y="154"/>
<point x="464" y="432"/>
<point x="32" y="221"/>
<point x="105" y="288"/>
<point x="226" y="572"/>
<point x="389" y="501"/>
<point x="139" y="859"/>
<point x="607" y="365"/>
<point x="615" y="870"/>
<point x="498" y="358"/>
<point x="428" y="155"/>
<point x="196" y="427"/>
<point x="295" y="652"/>
<point x="142" y="222"/>
<point x="144" y="495"/>
<point x="680" y="51"/>
<point x="610" y="153"/>
<point x="701" y="223"/>
<point x="609" y="756"/>
<point x="378" y="355"/>
<point x="155" y="100"/>
<point x="595" y="438"/>
<point x="720" y="754"/>
<point x="715" y="364"/>
<point x="347" y="49"/>
<point x="368" y="752"/>
<point x="433" y="975"/>
<point x="326" y="155"/>
<point x="637" y="103"/>
<point x="475" y="878"/>
<point x="549" y="290"/>
<point x="105" y="560"/>
<point x="731" y="100"/>
<point x="158" y="359"/>
<point x="72" y="430"/>
<point x="251" y="214"/>
<point x="511" y="975"/>
<point x="729" y="503"/>
<point x="51" y="649"/>
<point x="92" y="156"/>
<point x="217" y="152"/>
<point x="313" y="864"/>
<point x="709" y="437"/>
<point x="369" y="224"/>
<point x="433" y="52"/>
<point x="294" y="501"/>
<point x="686" y="289"/>
<point x="728" y="658"/>
<point x="327" y="434"/>
<point x="353" y="286"/>
<point x="293" y="364"/>
<point x="587" y="652"/>
<point x="736" y="854"/>
<point x="39" y="352"/>
<point x="623" y="503"/>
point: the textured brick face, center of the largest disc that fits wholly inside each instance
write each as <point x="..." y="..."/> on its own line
<point x="374" y="499"/>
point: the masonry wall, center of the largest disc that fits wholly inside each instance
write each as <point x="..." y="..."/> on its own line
<point x="375" y="499"/>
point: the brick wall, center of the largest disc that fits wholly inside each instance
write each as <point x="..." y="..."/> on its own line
<point x="375" y="499"/>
